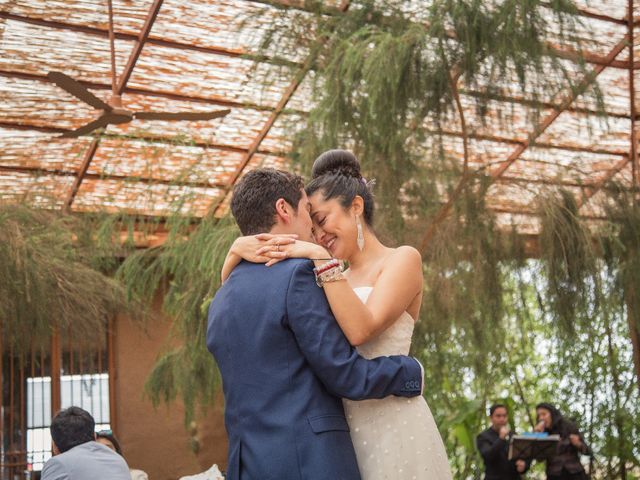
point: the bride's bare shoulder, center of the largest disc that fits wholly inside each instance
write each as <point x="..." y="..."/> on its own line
<point x="406" y="253"/>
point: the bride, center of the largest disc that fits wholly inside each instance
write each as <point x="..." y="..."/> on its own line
<point x="394" y="438"/>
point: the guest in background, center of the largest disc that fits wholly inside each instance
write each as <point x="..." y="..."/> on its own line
<point x="77" y="456"/>
<point x="108" y="439"/>
<point x="493" y="445"/>
<point x="565" y="465"/>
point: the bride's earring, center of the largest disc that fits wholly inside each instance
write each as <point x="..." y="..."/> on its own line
<point x="360" y="233"/>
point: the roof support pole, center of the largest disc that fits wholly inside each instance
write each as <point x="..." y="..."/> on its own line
<point x="118" y="88"/>
<point x="633" y="315"/>
<point x="137" y="49"/>
<point x="84" y="166"/>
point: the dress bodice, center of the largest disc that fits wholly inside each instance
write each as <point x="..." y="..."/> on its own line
<point x="395" y="340"/>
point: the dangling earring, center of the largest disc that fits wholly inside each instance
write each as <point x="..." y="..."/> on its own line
<point x="360" y="233"/>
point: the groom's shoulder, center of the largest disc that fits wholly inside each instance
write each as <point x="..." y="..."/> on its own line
<point x="284" y="268"/>
<point x="293" y="265"/>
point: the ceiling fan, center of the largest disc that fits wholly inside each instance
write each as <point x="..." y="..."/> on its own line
<point x="112" y="111"/>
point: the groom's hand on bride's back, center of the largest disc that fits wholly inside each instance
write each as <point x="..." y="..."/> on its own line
<point x="336" y="363"/>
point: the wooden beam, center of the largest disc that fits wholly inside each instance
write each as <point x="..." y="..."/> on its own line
<point x="600" y="184"/>
<point x="536" y="213"/>
<point x="38" y="171"/>
<point x="590" y="57"/>
<point x="84" y="166"/>
<point x="253" y="149"/>
<point x="632" y="313"/>
<point x="2" y="336"/>
<point x="151" y="40"/>
<point x="148" y="93"/>
<point x="601" y="16"/>
<point x="633" y="138"/>
<point x="562" y="52"/>
<point x="56" y="371"/>
<point x="539" y="130"/>
<point x="543" y="145"/>
<point x="300" y="5"/>
<point x="538" y="103"/>
<point x="139" y="45"/>
<point x="291" y="89"/>
<point x="113" y="372"/>
<point x="140" y="137"/>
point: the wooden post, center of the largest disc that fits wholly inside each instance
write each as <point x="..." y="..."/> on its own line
<point x="111" y="333"/>
<point x="56" y="370"/>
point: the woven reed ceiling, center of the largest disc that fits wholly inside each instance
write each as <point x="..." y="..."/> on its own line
<point x="197" y="57"/>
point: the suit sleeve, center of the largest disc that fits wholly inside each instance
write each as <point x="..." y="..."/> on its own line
<point x="336" y="363"/>
<point x="53" y="470"/>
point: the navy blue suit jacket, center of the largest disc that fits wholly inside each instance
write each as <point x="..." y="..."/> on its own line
<point x="285" y="366"/>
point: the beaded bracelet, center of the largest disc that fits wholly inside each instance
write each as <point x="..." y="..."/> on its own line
<point x="331" y="275"/>
<point x="329" y="272"/>
<point x="326" y="266"/>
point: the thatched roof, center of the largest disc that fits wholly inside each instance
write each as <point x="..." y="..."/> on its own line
<point x="199" y="56"/>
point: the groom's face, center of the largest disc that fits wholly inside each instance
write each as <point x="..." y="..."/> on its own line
<point x="300" y="222"/>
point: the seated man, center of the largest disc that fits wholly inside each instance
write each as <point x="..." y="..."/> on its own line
<point x="77" y="456"/>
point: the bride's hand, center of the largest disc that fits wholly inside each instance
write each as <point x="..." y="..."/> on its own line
<point x="277" y="251"/>
<point x="247" y="247"/>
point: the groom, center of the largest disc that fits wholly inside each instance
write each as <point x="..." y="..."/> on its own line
<point x="284" y="361"/>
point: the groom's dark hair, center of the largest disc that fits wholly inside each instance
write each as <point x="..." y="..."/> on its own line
<point x="253" y="204"/>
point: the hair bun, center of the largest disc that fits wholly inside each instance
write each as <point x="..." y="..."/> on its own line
<point x="336" y="162"/>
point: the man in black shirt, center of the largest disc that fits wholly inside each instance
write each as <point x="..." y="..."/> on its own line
<point x="493" y="444"/>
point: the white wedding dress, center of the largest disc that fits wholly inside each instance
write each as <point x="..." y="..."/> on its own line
<point x="395" y="438"/>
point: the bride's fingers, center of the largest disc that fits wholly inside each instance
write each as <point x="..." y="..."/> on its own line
<point x="282" y="241"/>
<point x="273" y="261"/>
<point x="269" y="253"/>
<point x="269" y="236"/>
<point x="269" y="249"/>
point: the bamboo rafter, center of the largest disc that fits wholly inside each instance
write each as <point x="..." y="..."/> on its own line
<point x="540" y="128"/>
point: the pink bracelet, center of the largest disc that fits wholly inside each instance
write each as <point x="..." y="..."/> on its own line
<point x="326" y="266"/>
<point x="330" y="270"/>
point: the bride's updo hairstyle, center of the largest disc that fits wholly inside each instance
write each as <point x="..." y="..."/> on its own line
<point x="336" y="174"/>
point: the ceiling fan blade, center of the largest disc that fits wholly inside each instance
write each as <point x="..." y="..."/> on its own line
<point x="77" y="90"/>
<point x="181" y="115"/>
<point x="102" y="121"/>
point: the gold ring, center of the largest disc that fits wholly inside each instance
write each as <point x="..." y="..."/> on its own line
<point x="277" y="247"/>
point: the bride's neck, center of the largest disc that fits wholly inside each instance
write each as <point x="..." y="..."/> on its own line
<point x="373" y="248"/>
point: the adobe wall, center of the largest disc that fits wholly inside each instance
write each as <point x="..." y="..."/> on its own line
<point x="156" y="441"/>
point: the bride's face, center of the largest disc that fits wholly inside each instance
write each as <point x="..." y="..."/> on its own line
<point x="334" y="226"/>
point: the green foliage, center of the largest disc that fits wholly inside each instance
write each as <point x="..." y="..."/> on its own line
<point x="493" y="326"/>
<point x="463" y="278"/>
<point x="622" y="249"/>
<point x="384" y="77"/>
<point x="54" y="276"/>
<point x="567" y="246"/>
<point x="186" y="271"/>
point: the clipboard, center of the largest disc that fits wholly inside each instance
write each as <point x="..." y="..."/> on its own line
<point x="536" y="446"/>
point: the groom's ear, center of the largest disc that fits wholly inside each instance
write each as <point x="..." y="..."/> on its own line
<point x="283" y="210"/>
